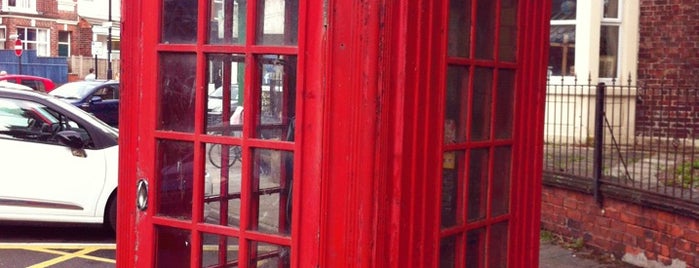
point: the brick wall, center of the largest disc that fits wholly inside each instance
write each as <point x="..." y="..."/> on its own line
<point x="636" y="234"/>
<point x="668" y="60"/>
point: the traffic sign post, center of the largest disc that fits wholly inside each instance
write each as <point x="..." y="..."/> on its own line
<point x="18" y="52"/>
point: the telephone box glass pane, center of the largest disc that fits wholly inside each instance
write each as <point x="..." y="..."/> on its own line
<point x="225" y="81"/>
<point x="504" y="109"/>
<point x="179" y="25"/>
<point x="176" y="91"/>
<point x="277" y="97"/>
<point x="172" y="247"/>
<point x="481" y="108"/>
<point x="447" y="252"/>
<point x="497" y="248"/>
<point x="477" y="184"/>
<point x="227" y="22"/>
<point x="223" y="184"/>
<point x="452" y="170"/>
<point x="485" y="29"/>
<point x="459" y="28"/>
<point x="501" y="181"/>
<point x="175" y="163"/>
<point x="456" y="104"/>
<point x="508" y="30"/>
<point x="475" y="248"/>
<point x="277" y="22"/>
<point x="217" y="250"/>
<point x="269" y="255"/>
<point x="271" y="192"/>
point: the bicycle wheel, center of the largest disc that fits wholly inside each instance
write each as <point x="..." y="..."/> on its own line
<point x="215" y="155"/>
<point x="234" y="154"/>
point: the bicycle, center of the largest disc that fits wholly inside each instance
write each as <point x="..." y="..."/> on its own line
<point x="235" y="153"/>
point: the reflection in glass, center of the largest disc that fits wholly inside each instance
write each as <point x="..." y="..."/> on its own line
<point x="608" y="51"/>
<point x="459" y="28"/>
<point x="172" y="247"/>
<point x="179" y="24"/>
<point x="485" y="29"/>
<point x="456" y="104"/>
<point x="213" y="244"/>
<point x="501" y="181"/>
<point x="562" y="50"/>
<point x="475" y="248"/>
<point x="227" y="22"/>
<point x="175" y="163"/>
<point x="176" y="89"/>
<point x="508" y="30"/>
<point x="271" y="192"/>
<point x="504" y="110"/>
<point x="277" y="97"/>
<point x="225" y="80"/>
<point x="477" y="184"/>
<point x="269" y="255"/>
<point x="563" y="9"/>
<point x="482" y="104"/>
<point x="452" y="170"/>
<point x="447" y="252"/>
<point x="497" y="245"/>
<point x="223" y="184"/>
<point x="277" y="22"/>
<point x="611" y="9"/>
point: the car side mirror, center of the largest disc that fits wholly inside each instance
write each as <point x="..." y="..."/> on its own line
<point x="95" y="99"/>
<point x="70" y="138"/>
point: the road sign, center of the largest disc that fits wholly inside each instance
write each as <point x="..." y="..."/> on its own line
<point x="18" y="47"/>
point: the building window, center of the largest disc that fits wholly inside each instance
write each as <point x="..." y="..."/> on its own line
<point x="64" y="44"/>
<point x="3" y="37"/>
<point x="562" y="38"/>
<point x="35" y="39"/>
<point x="27" y="6"/>
<point x="609" y="40"/>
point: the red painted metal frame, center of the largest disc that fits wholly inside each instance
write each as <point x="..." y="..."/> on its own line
<point x="368" y="148"/>
<point x="139" y="134"/>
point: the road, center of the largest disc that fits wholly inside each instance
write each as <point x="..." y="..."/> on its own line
<point x="56" y="246"/>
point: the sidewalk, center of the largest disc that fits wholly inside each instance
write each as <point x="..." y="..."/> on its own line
<point x="552" y="255"/>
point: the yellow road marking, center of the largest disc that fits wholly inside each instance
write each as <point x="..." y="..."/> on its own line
<point x="63" y="256"/>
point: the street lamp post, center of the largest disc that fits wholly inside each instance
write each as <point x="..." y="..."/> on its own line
<point x="109" y="44"/>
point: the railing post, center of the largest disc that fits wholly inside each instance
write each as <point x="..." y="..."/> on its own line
<point x="599" y="141"/>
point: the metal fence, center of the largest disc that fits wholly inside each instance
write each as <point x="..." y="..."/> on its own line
<point x="644" y="139"/>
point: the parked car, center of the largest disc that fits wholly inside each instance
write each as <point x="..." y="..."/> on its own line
<point x="59" y="163"/>
<point x="214" y="105"/>
<point x="35" y="82"/>
<point x="100" y="98"/>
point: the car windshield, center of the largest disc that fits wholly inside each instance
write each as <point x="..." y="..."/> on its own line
<point x="74" y="90"/>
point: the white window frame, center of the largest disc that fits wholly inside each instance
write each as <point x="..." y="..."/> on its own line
<point x="22" y="6"/>
<point x="613" y="22"/>
<point x="574" y="23"/>
<point x="43" y="47"/>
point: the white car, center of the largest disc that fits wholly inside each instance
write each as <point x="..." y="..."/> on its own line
<point x="57" y="163"/>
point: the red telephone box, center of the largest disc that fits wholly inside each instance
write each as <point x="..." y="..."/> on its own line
<point x="297" y="133"/>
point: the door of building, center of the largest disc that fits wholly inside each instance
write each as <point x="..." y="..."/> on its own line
<point x="212" y="133"/>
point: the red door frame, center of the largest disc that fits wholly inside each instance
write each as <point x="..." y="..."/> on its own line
<point x="365" y="138"/>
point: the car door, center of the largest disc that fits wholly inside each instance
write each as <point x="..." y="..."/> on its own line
<point x="41" y="179"/>
<point x="104" y="103"/>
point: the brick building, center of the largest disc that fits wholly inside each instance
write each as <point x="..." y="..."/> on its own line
<point x="51" y="27"/>
<point x="655" y="51"/>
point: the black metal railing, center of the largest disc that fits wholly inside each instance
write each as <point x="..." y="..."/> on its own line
<point x="641" y="139"/>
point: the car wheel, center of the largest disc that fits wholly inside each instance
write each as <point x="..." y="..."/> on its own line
<point x="111" y="215"/>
